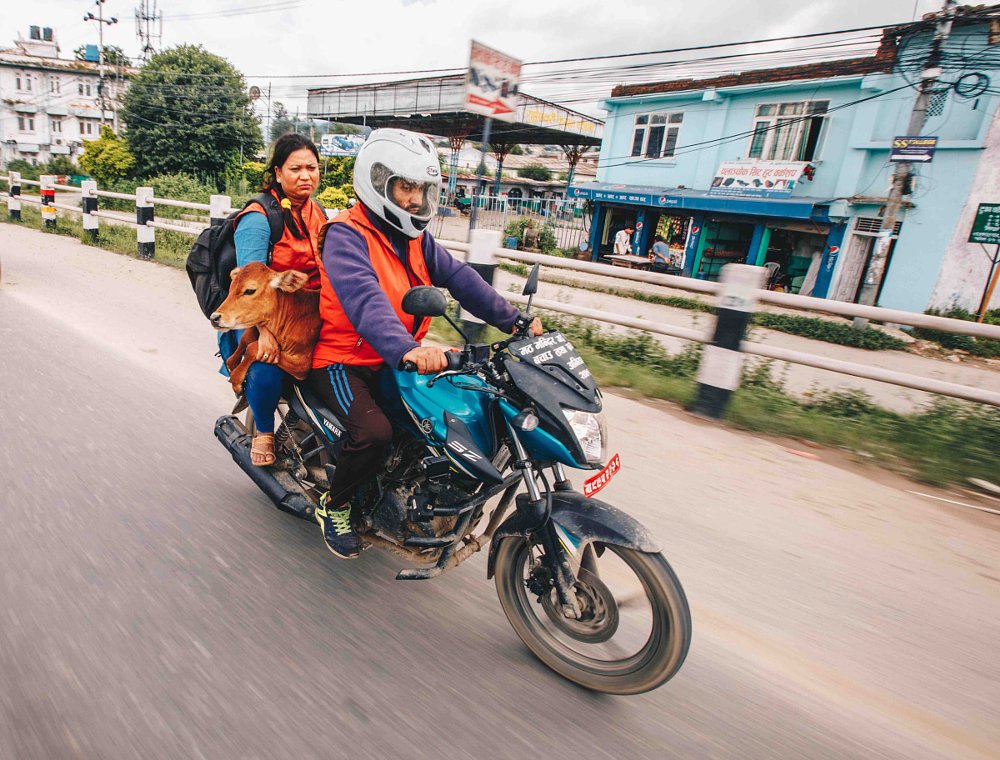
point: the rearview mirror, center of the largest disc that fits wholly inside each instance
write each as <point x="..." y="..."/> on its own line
<point x="424" y="301"/>
<point x="531" y="286"/>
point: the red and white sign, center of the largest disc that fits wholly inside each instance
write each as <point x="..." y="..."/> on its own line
<point x="601" y="479"/>
<point x="492" y="84"/>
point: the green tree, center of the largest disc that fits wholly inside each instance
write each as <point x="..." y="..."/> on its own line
<point x="516" y="150"/>
<point x="280" y="121"/>
<point x="188" y="110"/>
<point x="108" y="158"/>
<point x="113" y="55"/>
<point x="535" y="172"/>
<point x="253" y="173"/>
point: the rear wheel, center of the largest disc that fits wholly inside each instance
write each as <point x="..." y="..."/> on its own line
<point x="635" y="627"/>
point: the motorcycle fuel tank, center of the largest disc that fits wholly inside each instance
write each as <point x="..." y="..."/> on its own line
<point x="454" y="420"/>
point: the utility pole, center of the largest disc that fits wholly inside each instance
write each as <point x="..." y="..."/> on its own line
<point x="101" y="23"/>
<point x="903" y="172"/>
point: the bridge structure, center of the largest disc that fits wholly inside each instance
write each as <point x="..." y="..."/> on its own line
<point x="436" y="106"/>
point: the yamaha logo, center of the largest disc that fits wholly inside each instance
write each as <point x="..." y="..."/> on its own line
<point x="433" y="171"/>
<point x="427" y="426"/>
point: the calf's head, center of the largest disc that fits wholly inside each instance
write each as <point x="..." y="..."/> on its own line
<point x="253" y="295"/>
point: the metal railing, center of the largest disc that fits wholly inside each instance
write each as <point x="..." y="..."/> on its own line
<point x="221" y="206"/>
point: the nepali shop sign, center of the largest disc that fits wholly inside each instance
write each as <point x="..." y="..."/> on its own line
<point x="635" y="194"/>
<point x="757" y="179"/>
<point x="986" y="227"/>
<point x="915" y="148"/>
<point x="492" y="83"/>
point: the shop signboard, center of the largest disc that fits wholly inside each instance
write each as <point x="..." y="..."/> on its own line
<point x="647" y="196"/>
<point x="492" y="83"/>
<point x="913" y="148"/>
<point x="986" y="227"/>
<point x="757" y="179"/>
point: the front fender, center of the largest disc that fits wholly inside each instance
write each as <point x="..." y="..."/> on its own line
<point x="580" y="521"/>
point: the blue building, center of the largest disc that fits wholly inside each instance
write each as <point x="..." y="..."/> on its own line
<point x="789" y="167"/>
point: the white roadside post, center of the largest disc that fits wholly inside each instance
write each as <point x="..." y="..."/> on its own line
<point x="145" y="235"/>
<point x="89" y="203"/>
<point x="722" y="363"/>
<point x="481" y="258"/>
<point x="14" y="201"/>
<point x="48" y="194"/>
<point x="219" y="205"/>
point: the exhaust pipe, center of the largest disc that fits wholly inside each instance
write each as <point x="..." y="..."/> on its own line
<point x="277" y="485"/>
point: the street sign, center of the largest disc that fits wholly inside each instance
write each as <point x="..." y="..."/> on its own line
<point x="492" y="83"/>
<point x="986" y="227"/>
<point x="913" y="148"/>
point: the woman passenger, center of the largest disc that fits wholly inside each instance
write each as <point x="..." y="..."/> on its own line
<point x="291" y="177"/>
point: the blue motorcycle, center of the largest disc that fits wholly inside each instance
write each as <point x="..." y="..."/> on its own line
<point x="583" y="584"/>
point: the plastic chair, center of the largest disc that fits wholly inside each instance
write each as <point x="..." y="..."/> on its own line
<point x="773" y="268"/>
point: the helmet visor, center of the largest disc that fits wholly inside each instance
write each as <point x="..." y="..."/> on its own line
<point x="417" y="198"/>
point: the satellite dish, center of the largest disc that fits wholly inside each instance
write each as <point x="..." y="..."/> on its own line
<point x="254" y="92"/>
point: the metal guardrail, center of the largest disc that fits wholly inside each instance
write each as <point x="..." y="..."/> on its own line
<point x="788" y="300"/>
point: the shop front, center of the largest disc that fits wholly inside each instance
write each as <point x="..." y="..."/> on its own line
<point x="795" y="239"/>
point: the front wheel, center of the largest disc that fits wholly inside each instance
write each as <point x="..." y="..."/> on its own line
<point x="635" y="627"/>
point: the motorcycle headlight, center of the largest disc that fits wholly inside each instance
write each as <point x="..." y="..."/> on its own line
<point x="592" y="433"/>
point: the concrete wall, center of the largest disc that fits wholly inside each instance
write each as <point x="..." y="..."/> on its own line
<point x="966" y="266"/>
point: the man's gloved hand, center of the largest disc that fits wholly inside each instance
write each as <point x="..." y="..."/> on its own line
<point x="534" y="328"/>
<point x="427" y="358"/>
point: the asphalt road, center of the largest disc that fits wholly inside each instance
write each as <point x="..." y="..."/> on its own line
<point x="153" y="604"/>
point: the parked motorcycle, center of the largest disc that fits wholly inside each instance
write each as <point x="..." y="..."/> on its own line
<point x="583" y="584"/>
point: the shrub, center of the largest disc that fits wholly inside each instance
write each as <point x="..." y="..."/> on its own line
<point x="831" y="332"/>
<point x="107" y="158"/>
<point x="253" y="173"/>
<point x="333" y="197"/>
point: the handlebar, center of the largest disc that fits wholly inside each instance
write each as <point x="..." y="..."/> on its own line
<point x="454" y="359"/>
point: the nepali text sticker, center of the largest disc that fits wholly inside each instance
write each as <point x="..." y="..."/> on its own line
<point x="601" y="479"/>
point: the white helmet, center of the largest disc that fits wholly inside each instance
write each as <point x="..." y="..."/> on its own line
<point x="400" y="161"/>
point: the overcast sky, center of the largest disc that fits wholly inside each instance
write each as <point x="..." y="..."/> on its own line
<point x="327" y="37"/>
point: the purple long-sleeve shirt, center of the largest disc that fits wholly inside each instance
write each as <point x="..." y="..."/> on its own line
<point x="350" y="270"/>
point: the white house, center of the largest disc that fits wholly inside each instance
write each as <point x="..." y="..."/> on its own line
<point x="50" y="106"/>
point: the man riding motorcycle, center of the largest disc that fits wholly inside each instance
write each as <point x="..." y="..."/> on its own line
<point x="369" y="256"/>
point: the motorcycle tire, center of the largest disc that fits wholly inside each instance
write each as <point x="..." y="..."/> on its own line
<point x="658" y="660"/>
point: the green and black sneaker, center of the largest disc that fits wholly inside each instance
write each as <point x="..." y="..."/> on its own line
<point x="340" y="537"/>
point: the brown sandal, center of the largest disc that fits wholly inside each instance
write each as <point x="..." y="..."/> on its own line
<point x="262" y="450"/>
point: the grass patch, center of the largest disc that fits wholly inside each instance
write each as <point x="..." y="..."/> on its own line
<point x="171" y="247"/>
<point x="982" y="347"/>
<point x="945" y="442"/>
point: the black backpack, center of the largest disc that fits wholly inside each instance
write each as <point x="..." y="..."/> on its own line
<point x="213" y="255"/>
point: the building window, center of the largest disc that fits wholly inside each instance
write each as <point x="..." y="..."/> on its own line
<point x="788" y="131"/>
<point x="17" y="81"/>
<point x="655" y="134"/>
<point x="26" y="123"/>
<point x="87" y="127"/>
<point x="55" y="125"/>
<point x="54" y="84"/>
<point x="83" y="89"/>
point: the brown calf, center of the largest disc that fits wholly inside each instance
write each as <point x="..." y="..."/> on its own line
<point x="277" y="300"/>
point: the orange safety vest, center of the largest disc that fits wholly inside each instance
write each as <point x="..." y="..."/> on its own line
<point x="290" y="252"/>
<point x="339" y="342"/>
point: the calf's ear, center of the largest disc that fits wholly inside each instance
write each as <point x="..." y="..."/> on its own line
<point x="234" y="272"/>
<point x="289" y="281"/>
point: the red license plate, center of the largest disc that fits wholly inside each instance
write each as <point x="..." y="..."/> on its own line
<point x="601" y="479"/>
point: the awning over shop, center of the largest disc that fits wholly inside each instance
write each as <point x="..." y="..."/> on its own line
<point x="699" y="200"/>
<point x="57" y="111"/>
<point x="25" y="108"/>
<point x="27" y="147"/>
<point x="59" y="150"/>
